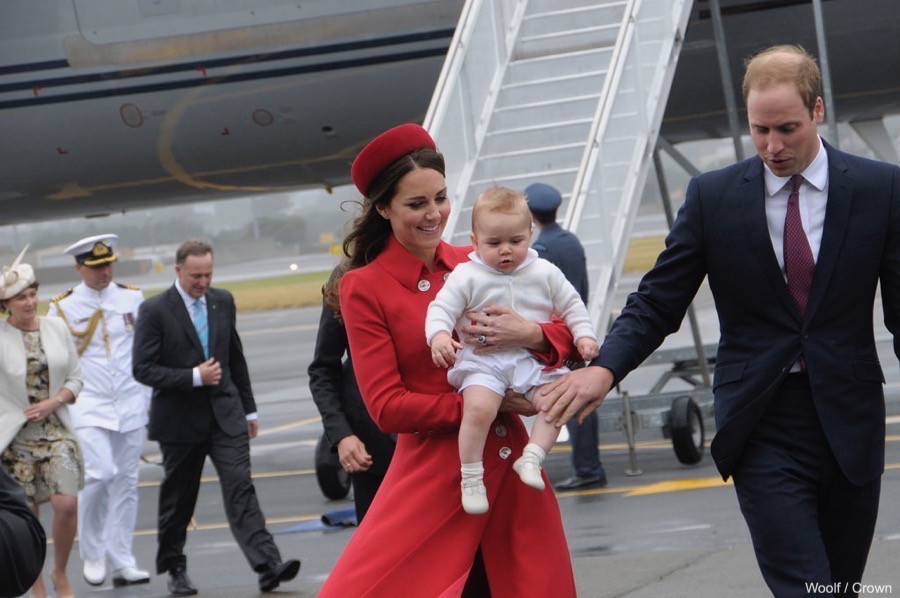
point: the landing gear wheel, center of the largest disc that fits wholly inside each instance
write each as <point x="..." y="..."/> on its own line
<point x="686" y="425"/>
<point x="333" y="480"/>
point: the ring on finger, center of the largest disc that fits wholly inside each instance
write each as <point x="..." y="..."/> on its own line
<point x="482" y="340"/>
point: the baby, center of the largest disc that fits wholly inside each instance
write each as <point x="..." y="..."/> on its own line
<point x="503" y="270"/>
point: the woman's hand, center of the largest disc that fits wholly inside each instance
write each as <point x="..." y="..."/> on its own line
<point x="40" y="411"/>
<point x="515" y="402"/>
<point x="498" y="328"/>
<point x="353" y="454"/>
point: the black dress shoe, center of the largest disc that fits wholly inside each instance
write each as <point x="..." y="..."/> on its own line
<point x="179" y="583"/>
<point x="579" y="482"/>
<point x="272" y="577"/>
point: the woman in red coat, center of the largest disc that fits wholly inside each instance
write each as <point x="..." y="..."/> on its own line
<point x="416" y="540"/>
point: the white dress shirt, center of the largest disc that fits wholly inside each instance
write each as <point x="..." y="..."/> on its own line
<point x="189" y="305"/>
<point x="813" y="200"/>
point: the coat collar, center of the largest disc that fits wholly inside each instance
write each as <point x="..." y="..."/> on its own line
<point x="408" y="270"/>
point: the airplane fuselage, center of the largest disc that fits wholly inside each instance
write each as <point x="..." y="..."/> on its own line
<point x="108" y="106"/>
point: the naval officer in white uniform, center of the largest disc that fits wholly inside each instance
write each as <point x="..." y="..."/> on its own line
<point x="111" y="412"/>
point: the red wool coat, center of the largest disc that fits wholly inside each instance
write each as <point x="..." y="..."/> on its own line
<point x="416" y="540"/>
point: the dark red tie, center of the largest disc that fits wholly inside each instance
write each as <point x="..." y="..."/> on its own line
<point x="798" y="259"/>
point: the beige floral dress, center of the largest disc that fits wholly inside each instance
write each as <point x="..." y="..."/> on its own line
<point x="44" y="456"/>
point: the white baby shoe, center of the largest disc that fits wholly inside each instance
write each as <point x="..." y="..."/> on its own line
<point x="474" y="496"/>
<point x="529" y="469"/>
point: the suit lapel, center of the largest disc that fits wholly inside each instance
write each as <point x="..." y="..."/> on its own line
<point x="753" y="195"/>
<point x="837" y="216"/>
<point x="176" y="303"/>
<point x="213" y="315"/>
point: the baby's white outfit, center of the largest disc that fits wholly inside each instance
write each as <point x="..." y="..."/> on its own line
<point x="535" y="290"/>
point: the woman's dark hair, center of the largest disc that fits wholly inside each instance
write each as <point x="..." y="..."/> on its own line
<point x="370" y="231"/>
<point x="331" y="290"/>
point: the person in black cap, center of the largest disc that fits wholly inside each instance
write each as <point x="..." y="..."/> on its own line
<point x="563" y="249"/>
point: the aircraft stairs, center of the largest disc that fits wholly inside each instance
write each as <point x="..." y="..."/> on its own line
<point x="566" y="92"/>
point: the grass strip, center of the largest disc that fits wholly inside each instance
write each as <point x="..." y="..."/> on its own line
<point x="305" y="290"/>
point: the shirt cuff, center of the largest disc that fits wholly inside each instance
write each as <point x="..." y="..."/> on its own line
<point x="196" y="375"/>
<point x="252" y="416"/>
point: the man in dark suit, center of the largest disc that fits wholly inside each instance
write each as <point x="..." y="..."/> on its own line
<point x="363" y="450"/>
<point x="563" y="249"/>
<point x="187" y="349"/>
<point x="798" y="391"/>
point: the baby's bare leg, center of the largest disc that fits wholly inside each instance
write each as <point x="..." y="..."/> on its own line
<point x="480" y="406"/>
<point x="543" y="433"/>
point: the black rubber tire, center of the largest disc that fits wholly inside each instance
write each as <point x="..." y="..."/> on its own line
<point x="333" y="480"/>
<point x="688" y="434"/>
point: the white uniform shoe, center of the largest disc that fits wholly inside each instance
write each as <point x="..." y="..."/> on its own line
<point x="94" y="572"/>
<point x="129" y="576"/>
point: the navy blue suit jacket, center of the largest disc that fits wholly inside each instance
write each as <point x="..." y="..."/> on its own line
<point x="167" y="348"/>
<point x="721" y="232"/>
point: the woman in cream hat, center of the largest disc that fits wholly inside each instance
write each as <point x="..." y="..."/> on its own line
<point x="39" y="376"/>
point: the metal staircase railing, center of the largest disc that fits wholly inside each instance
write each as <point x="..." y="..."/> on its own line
<point x="567" y="92"/>
<point x="607" y="192"/>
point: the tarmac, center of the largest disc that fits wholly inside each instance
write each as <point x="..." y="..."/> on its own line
<point x="711" y="573"/>
<point x="647" y="560"/>
<point x="687" y="573"/>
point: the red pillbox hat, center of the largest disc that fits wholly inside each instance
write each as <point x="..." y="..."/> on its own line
<point x="386" y="149"/>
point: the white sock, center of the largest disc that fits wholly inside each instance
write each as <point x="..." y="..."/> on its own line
<point x="473" y="471"/>
<point x="535" y="450"/>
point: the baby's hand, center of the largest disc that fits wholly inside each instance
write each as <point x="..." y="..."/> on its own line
<point x="587" y="348"/>
<point x="443" y="350"/>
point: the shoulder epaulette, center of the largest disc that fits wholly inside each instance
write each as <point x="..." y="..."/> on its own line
<point x="130" y="287"/>
<point x="62" y="296"/>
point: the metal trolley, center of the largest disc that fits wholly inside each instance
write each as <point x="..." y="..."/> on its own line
<point x="679" y="415"/>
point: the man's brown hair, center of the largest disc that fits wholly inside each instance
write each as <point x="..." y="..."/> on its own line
<point x="192" y="247"/>
<point x="784" y="64"/>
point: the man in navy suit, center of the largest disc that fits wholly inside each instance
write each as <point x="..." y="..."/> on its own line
<point x="799" y="399"/>
<point x="186" y="347"/>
